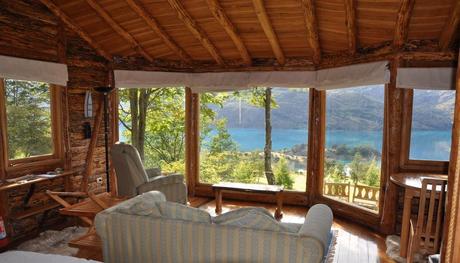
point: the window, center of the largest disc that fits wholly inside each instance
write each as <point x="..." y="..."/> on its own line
<point x="153" y="121"/>
<point x="354" y="130"/>
<point x="432" y="117"/>
<point x="233" y="137"/>
<point x="30" y="122"/>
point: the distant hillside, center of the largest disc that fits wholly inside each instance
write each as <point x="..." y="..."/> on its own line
<point x="347" y="109"/>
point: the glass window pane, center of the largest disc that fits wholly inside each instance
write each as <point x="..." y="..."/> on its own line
<point x="432" y="117"/>
<point x="233" y="137"/>
<point x="354" y="130"/>
<point x="28" y="110"/>
<point x="153" y="121"/>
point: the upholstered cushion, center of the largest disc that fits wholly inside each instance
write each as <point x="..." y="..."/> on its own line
<point x="256" y="220"/>
<point x="143" y="205"/>
<point x="239" y="213"/>
<point x="178" y="211"/>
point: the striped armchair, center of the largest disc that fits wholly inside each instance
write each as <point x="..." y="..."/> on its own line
<point x="139" y="237"/>
<point x="133" y="179"/>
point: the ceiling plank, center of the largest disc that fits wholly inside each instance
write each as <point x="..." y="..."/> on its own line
<point x="155" y="26"/>
<point x="196" y="30"/>
<point x="268" y="29"/>
<point x="117" y="28"/>
<point x="352" y="28"/>
<point x="219" y="14"/>
<point x="451" y="28"/>
<point x="402" y="23"/>
<point x="73" y="26"/>
<point x="312" y="29"/>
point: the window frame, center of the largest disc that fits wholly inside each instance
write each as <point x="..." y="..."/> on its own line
<point x="407" y="164"/>
<point x="13" y="167"/>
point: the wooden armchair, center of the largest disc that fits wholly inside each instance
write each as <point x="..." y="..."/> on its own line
<point x="426" y="228"/>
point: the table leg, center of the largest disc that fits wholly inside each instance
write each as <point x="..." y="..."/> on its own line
<point x="405" y="223"/>
<point x="218" y="194"/>
<point x="279" y="206"/>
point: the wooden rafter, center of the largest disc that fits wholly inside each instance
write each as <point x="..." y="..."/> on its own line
<point x="72" y="25"/>
<point x="350" y="16"/>
<point x="312" y="29"/>
<point x="268" y="29"/>
<point x="155" y="26"/>
<point x="117" y="28"/>
<point x="451" y="28"/>
<point x="196" y="30"/>
<point x="219" y="14"/>
<point x="402" y="23"/>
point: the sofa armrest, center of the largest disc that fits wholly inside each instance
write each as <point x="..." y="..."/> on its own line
<point x="318" y="222"/>
<point x="153" y="172"/>
<point x="166" y="179"/>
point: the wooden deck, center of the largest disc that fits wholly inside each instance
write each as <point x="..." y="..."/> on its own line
<point x="354" y="244"/>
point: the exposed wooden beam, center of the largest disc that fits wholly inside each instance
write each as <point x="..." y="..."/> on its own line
<point x="451" y="28"/>
<point x="117" y="28"/>
<point x="219" y="14"/>
<point x="72" y="25"/>
<point x="312" y="28"/>
<point x="196" y="30"/>
<point x="402" y="23"/>
<point x="350" y="20"/>
<point x="155" y="26"/>
<point x="268" y="29"/>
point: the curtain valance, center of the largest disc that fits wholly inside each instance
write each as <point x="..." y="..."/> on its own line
<point x="33" y="70"/>
<point x="426" y="78"/>
<point x="343" y="77"/>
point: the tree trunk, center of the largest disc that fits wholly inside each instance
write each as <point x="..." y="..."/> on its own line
<point x="143" y="105"/>
<point x="268" y="138"/>
<point x="134" y="106"/>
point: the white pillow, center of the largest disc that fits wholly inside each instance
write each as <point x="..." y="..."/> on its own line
<point x="255" y="220"/>
<point x="178" y="211"/>
<point x="237" y="213"/>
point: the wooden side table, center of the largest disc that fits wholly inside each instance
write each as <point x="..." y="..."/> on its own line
<point x="275" y="190"/>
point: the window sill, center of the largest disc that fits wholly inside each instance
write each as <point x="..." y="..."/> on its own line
<point x="33" y="166"/>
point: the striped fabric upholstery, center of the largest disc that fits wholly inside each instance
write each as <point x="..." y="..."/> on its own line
<point x="181" y="212"/>
<point x="174" y="192"/>
<point x="130" y="238"/>
<point x="237" y="213"/>
<point x="256" y="220"/>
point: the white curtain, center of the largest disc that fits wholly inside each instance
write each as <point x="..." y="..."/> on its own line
<point x="426" y="78"/>
<point x="33" y="70"/>
<point x="343" y="77"/>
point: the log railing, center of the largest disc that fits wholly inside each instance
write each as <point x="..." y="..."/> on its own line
<point x="367" y="196"/>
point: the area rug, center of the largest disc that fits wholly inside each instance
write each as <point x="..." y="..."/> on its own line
<point x="54" y="242"/>
<point x="393" y="243"/>
<point x="329" y="258"/>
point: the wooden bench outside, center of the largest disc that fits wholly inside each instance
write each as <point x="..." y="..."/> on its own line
<point x="275" y="190"/>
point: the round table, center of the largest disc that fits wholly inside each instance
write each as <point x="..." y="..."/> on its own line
<point x="412" y="184"/>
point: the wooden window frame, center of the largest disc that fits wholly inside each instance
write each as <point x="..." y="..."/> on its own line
<point x="413" y="165"/>
<point x="16" y="167"/>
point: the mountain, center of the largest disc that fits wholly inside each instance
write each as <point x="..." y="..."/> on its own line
<point x="346" y="109"/>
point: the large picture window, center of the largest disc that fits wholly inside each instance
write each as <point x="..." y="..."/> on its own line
<point x="431" y="128"/>
<point x="236" y="145"/>
<point x="353" y="151"/>
<point x="30" y="123"/>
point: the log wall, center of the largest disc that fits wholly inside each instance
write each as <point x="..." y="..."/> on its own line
<point x="29" y="30"/>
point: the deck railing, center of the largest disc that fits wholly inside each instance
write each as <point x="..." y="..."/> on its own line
<point x="367" y="196"/>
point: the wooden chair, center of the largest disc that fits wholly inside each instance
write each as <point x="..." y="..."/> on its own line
<point x="426" y="228"/>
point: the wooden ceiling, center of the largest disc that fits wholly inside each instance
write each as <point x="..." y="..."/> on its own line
<point x="242" y="32"/>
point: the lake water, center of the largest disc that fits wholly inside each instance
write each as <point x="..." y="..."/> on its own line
<point x="426" y="145"/>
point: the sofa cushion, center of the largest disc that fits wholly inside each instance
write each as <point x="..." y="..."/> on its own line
<point x="143" y="205"/>
<point x="239" y="213"/>
<point x="178" y="211"/>
<point x="256" y="220"/>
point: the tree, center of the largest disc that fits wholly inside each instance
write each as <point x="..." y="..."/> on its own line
<point x="358" y="169"/>
<point x="282" y="173"/>
<point x="222" y="141"/>
<point x="373" y="174"/>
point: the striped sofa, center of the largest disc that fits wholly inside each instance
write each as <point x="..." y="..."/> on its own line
<point x="149" y="238"/>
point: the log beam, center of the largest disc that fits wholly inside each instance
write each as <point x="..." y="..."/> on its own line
<point x="402" y="23"/>
<point x="350" y="21"/>
<point x="268" y="30"/>
<point x="117" y="28"/>
<point x="137" y="7"/>
<point x="312" y="29"/>
<point x="451" y="28"/>
<point x="196" y="30"/>
<point x="76" y="28"/>
<point x="220" y="15"/>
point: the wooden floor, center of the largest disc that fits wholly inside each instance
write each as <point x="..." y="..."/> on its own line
<point x="354" y="243"/>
